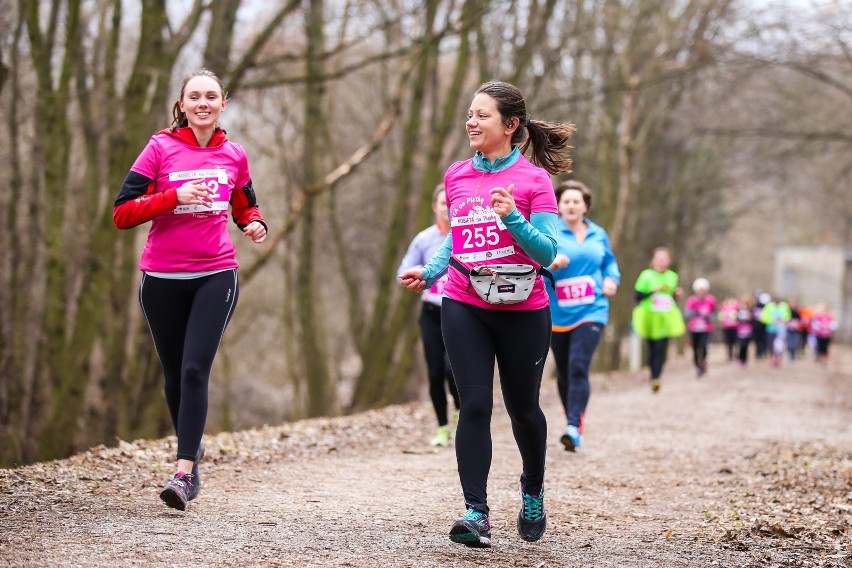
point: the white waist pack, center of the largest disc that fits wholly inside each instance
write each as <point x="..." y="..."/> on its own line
<point x="502" y="283"/>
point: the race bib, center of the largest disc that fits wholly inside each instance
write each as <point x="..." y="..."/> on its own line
<point x="481" y="235"/>
<point x="214" y="178"/>
<point x="661" y="302"/>
<point x="698" y="325"/>
<point x="436" y="292"/>
<point x="575" y="291"/>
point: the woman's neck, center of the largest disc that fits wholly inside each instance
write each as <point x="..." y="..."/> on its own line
<point x="203" y="135"/>
<point x="443" y="226"/>
<point x="576" y="226"/>
<point x="502" y="152"/>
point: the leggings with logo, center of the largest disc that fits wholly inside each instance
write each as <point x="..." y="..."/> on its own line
<point x="187" y="319"/>
<point x="519" y="339"/>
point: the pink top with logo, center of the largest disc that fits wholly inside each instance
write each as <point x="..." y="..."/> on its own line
<point x="479" y="235"/>
<point x="191" y="238"/>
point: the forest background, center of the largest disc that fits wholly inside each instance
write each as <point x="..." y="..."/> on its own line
<point x="720" y="128"/>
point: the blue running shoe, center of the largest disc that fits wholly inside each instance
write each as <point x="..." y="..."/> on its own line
<point x="571" y="438"/>
<point x="531" y="520"/>
<point x="196" y="486"/>
<point x="473" y="529"/>
<point x="177" y="491"/>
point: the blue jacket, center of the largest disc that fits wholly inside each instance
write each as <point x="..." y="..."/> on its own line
<point x="580" y="298"/>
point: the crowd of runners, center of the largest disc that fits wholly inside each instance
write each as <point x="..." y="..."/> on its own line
<point x="512" y="270"/>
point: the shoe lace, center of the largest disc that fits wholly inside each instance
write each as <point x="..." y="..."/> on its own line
<point x="185" y="481"/>
<point x="477" y="517"/>
<point x="533" y="507"/>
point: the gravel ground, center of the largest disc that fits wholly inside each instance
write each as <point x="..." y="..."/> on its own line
<point x="745" y="467"/>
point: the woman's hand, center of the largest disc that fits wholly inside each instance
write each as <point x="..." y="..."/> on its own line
<point x="502" y="201"/>
<point x="561" y="261"/>
<point x="413" y="279"/>
<point x="609" y="287"/>
<point x="256" y="230"/>
<point x="195" y="192"/>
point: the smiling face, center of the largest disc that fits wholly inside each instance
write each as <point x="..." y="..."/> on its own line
<point x="202" y="102"/>
<point x="486" y="129"/>
<point x="572" y="206"/>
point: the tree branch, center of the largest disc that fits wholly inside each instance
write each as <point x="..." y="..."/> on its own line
<point x="330" y="180"/>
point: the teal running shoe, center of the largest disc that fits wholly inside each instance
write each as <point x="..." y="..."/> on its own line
<point x="531" y="520"/>
<point x="473" y="529"/>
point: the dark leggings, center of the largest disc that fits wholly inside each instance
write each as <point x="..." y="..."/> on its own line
<point x="437" y="363"/>
<point x="573" y="351"/>
<point x="519" y="340"/>
<point x="822" y="346"/>
<point x="743" y="356"/>
<point x="730" y="335"/>
<point x="657" y="349"/>
<point x="700" y="340"/>
<point x="187" y="319"/>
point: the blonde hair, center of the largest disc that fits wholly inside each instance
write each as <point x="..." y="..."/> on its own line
<point x="700" y="284"/>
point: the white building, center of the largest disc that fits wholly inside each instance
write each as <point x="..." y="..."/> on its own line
<point x="817" y="274"/>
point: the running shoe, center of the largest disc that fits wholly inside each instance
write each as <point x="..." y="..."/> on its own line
<point x="531" y="520"/>
<point x="177" y="491"/>
<point x="442" y="437"/>
<point x="473" y="529"/>
<point x="571" y="438"/>
<point x="196" y="486"/>
<point x="655" y="385"/>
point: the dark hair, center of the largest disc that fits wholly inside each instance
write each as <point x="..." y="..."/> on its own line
<point x="179" y="117"/>
<point x="549" y="140"/>
<point x="579" y="186"/>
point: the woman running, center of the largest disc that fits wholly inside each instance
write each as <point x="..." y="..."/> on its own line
<point x="421" y="249"/>
<point x="657" y="317"/>
<point x="728" y="322"/>
<point x="823" y="326"/>
<point x="775" y="315"/>
<point x="700" y="312"/>
<point x="745" y="328"/>
<point x="795" y="330"/>
<point x="184" y="182"/>
<point x="586" y="274"/>
<point x="503" y="219"/>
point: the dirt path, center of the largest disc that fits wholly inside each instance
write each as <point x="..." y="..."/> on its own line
<point x="747" y="467"/>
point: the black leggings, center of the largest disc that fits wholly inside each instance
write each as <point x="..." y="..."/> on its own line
<point x="437" y="364"/>
<point x="743" y="355"/>
<point x="730" y="335"/>
<point x="519" y="340"/>
<point x="700" y="341"/>
<point x="187" y="319"/>
<point x="657" y="350"/>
